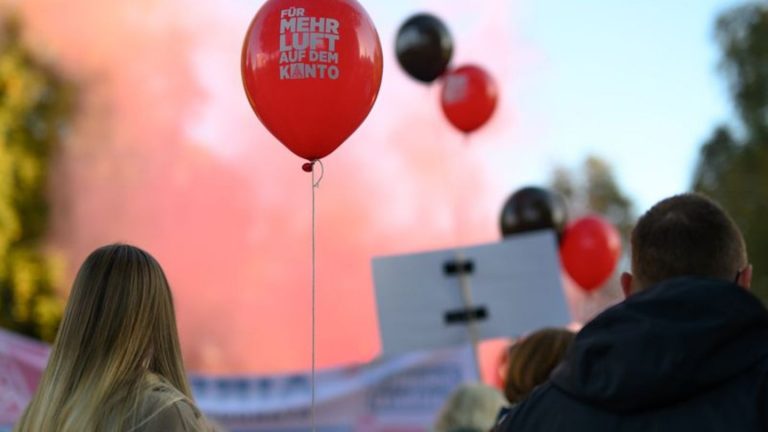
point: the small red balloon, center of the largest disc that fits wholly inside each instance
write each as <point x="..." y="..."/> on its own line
<point x="468" y="97"/>
<point x="312" y="71"/>
<point x="590" y="251"/>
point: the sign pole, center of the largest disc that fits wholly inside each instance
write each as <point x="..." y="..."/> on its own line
<point x="464" y="269"/>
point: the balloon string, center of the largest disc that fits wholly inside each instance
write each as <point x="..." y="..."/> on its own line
<point x="322" y="172"/>
<point x="315" y="185"/>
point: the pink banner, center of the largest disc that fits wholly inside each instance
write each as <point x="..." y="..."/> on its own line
<point x="400" y="394"/>
<point x="22" y="362"/>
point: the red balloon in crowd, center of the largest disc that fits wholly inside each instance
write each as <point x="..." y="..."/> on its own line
<point x="590" y="251"/>
<point x="312" y="70"/>
<point x="468" y="97"/>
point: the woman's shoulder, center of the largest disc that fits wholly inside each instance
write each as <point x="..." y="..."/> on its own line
<point x="178" y="416"/>
<point x="164" y="408"/>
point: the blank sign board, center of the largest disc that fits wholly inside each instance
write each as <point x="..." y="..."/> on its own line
<point x="515" y="288"/>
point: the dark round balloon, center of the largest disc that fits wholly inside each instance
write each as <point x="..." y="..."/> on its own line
<point x="531" y="209"/>
<point x="424" y="47"/>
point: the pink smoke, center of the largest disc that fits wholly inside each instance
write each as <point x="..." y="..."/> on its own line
<point x="166" y="154"/>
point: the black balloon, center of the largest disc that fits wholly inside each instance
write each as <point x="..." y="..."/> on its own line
<point x="424" y="47"/>
<point x="533" y="208"/>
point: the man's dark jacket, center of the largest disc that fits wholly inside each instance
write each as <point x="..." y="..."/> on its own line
<point x="689" y="354"/>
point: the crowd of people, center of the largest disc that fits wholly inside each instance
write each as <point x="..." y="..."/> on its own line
<point x="527" y="364"/>
<point x="686" y="350"/>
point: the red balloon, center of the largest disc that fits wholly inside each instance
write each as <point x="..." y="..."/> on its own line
<point x="590" y="251"/>
<point x="312" y="71"/>
<point x="469" y="97"/>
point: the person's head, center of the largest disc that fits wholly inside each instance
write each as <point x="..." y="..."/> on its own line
<point x="686" y="235"/>
<point x="119" y="325"/>
<point x="470" y="406"/>
<point x="531" y="361"/>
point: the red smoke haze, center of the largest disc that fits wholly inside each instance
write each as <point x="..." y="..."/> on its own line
<point x="167" y="155"/>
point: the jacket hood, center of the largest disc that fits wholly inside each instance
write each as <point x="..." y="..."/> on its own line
<point x="664" y="345"/>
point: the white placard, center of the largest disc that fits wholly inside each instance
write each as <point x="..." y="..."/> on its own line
<point x="516" y="282"/>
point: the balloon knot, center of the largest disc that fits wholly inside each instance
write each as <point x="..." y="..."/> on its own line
<point x="307" y="167"/>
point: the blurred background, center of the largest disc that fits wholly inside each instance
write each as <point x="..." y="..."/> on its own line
<point x="126" y="121"/>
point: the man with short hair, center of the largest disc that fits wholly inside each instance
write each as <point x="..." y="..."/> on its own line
<point x="686" y="351"/>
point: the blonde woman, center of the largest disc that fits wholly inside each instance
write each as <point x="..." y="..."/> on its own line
<point x="116" y="363"/>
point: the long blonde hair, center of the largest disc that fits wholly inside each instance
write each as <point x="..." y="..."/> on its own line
<point x="119" y="327"/>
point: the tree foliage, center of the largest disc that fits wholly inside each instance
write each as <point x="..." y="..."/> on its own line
<point x="35" y="104"/>
<point x="593" y="189"/>
<point x="733" y="162"/>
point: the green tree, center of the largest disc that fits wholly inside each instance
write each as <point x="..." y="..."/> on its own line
<point x="594" y="190"/>
<point x="35" y="104"/>
<point x="733" y="162"/>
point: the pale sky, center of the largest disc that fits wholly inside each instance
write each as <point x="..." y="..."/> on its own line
<point x="633" y="82"/>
